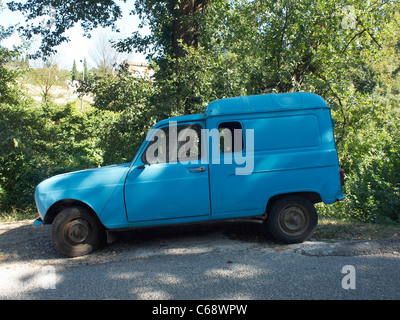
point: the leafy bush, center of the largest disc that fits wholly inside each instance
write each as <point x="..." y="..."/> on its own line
<point x="37" y="142"/>
<point x="370" y="155"/>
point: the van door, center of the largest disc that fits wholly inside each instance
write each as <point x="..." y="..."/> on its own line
<point x="173" y="182"/>
<point x="235" y="191"/>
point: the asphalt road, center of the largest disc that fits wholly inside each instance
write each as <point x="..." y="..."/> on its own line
<point x="199" y="263"/>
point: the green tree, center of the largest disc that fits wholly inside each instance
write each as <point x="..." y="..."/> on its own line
<point x="47" y="77"/>
<point x="125" y="103"/>
<point x="171" y="21"/>
<point x="74" y="72"/>
<point x="173" y="24"/>
<point x="253" y="47"/>
<point x="85" y="70"/>
<point x="8" y="76"/>
<point x="26" y="61"/>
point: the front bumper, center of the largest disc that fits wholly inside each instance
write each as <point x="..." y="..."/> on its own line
<point x="38" y="223"/>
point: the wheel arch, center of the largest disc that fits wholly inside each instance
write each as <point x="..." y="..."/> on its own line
<point x="60" y="205"/>
<point x="313" y="197"/>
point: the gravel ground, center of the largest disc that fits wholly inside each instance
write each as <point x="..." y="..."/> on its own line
<point x="225" y="260"/>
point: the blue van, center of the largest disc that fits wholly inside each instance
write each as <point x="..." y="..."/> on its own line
<point x="270" y="156"/>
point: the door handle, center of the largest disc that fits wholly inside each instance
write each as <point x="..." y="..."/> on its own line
<point x="201" y="169"/>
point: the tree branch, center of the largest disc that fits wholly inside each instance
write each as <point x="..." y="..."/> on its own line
<point x="352" y="39"/>
<point x="369" y="33"/>
<point x="278" y="56"/>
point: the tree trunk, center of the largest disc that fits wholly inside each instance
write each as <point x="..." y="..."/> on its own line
<point x="186" y="24"/>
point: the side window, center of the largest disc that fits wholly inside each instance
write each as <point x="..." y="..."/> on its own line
<point x="156" y="151"/>
<point x="174" y="143"/>
<point x="189" y="142"/>
<point x="230" y="137"/>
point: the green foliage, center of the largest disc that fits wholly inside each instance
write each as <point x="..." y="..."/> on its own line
<point x="85" y="70"/>
<point x="39" y="141"/>
<point x="124" y="101"/>
<point x="371" y="155"/>
<point x="46" y="79"/>
<point x="74" y="72"/>
<point x="186" y="85"/>
<point x="8" y="76"/>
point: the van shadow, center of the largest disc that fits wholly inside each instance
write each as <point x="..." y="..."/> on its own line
<point x="247" y="231"/>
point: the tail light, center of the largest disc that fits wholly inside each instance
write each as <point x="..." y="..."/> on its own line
<point x="341" y="177"/>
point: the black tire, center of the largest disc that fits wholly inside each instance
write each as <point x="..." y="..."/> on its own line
<point x="292" y="219"/>
<point x="76" y="232"/>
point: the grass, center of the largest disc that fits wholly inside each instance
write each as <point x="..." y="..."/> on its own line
<point x="16" y="214"/>
<point x="330" y="229"/>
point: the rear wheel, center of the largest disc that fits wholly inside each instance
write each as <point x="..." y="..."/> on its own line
<point x="292" y="219"/>
<point x="76" y="232"/>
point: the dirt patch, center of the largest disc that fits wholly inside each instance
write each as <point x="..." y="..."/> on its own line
<point x="352" y="248"/>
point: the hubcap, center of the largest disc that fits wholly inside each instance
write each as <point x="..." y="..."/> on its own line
<point x="293" y="220"/>
<point x="77" y="230"/>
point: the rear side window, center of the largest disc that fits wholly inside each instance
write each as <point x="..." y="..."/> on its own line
<point x="230" y="137"/>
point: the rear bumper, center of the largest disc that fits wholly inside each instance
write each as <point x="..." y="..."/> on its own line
<point x="340" y="198"/>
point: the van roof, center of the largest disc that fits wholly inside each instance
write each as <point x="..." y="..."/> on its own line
<point x="256" y="104"/>
<point x="265" y="103"/>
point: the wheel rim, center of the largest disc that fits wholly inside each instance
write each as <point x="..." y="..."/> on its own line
<point x="293" y="220"/>
<point x="77" y="231"/>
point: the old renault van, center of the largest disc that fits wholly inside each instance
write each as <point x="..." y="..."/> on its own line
<point x="269" y="156"/>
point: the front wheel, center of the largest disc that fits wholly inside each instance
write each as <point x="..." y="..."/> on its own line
<point x="292" y="219"/>
<point x="76" y="232"/>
